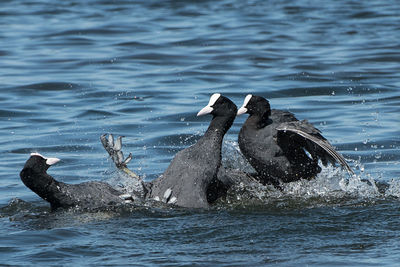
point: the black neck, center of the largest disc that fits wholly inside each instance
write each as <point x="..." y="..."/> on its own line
<point x="37" y="182"/>
<point x="258" y="121"/>
<point x="219" y="126"/>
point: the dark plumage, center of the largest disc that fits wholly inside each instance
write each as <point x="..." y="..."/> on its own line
<point x="60" y="195"/>
<point x="274" y="142"/>
<point x="189" y="181"/>
<point x="191" y="178"/>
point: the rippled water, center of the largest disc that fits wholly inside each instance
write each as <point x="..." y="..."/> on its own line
<point x="71" y="71"/>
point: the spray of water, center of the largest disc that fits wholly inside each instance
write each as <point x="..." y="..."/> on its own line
<point x="332" y="186"/>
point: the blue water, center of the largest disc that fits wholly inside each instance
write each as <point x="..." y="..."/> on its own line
<point x="72" y="70"/>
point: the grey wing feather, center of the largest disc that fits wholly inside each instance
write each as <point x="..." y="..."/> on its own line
<point x="302" y="128"/>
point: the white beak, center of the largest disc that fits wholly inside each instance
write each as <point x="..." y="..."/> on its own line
<point x="208" y="109"/>
<point x="49" y="161"/>
<point x="241" y="111"/>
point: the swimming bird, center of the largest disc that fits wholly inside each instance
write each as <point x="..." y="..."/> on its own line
<point x="280" y="147"/>
<point x="189" y="181"/>
<point x="61" y="195"/>
<point x="191" y="173"/>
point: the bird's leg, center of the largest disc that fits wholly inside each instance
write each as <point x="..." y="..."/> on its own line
<point x="115" y="152"/>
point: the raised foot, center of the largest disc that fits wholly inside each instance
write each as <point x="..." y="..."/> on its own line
<point x="114" y="150"/>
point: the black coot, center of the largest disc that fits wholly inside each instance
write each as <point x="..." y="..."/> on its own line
<point x="275" y="144"/>
<point x="192" y="172"/>
<point x="189" y="181"/>
<point x="60" y="195"/>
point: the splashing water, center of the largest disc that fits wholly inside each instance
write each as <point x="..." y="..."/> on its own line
<point x="393" y="189"/>
<point x="332" y="186"/>
<point x="233" y="158"/>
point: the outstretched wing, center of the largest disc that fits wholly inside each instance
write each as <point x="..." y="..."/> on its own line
<point x="314" y="143"/>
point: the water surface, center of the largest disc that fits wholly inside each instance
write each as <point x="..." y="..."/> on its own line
<point x="71" y="71"/>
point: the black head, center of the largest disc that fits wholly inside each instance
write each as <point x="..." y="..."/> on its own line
<point x="39" y="164"/>
<point x="34" y="175"/>
<point x="255" y="105"/>
<point x="219" y="105"/>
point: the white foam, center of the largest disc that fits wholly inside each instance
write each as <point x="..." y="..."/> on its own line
<point x="394" y="189"/>
<point x="331" y="186"/>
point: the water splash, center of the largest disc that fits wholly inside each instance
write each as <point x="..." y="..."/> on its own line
<point x="124" y="183"/>
<point x="332" y="186"/>
<point x="233" y="158"/>
<point x="394" y="189"/>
